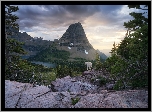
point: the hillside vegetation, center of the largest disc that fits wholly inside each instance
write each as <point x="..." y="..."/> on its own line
<point x="50" y="54"/>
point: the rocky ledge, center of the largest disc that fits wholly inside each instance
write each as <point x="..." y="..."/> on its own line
<point x="68" y="92"/>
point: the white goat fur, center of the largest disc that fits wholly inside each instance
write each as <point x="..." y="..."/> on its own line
<point x="89" y="65"/>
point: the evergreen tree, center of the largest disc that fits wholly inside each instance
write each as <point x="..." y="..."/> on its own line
<point x="114" y="50"/>
<point x="138" y="29"/>
<point x="128" y="64"/>
<point x="13" y="48"/>
<point x="98" y="64"/>
<point x="138" y="47"/>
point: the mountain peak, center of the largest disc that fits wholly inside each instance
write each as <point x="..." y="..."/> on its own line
<point x="78" y="23"/>
<point x="75" y="34"/>
<point x="74" y="31"/>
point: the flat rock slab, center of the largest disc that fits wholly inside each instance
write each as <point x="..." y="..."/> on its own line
<point x="69" y="84"/>
<point x="24" y="95"/>
<point x="13" y="92"/>
<point x="118" y="99"/>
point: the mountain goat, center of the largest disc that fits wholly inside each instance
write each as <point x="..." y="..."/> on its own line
<point x="89" y="65"/>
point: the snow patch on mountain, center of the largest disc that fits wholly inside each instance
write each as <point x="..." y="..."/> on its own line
<point x="86" y="52"/>
<point x="69" y="47"/>
<point x="71" y="44"/>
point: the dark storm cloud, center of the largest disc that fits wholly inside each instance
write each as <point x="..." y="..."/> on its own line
<point x="29" y="16"/>
<point x="85" y="10"/>
<point x="110" y="8"/>
<point x="67" y="14"/>
<point x="27" y="24"/>
<point x="31" y="12"/>
<point x="60" y="15"/>
<point x="110" y="13"/>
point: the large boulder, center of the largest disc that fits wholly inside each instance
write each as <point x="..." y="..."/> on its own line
<point x="24" y="95"/>
<point x="13" y="92"/>
<point x="87" y="73"/>
<point x="71" y="85"/>
<point x="109" y="86"/>
<point x="118" y="99"/>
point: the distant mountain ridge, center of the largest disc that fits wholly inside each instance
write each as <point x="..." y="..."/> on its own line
<point x="102" y="55"/>
<point x="74" y="41"/>
<point x="32" y="45"/>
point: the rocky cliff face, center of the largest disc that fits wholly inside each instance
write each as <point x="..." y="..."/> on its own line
<point x="74" y="31"/>
<point x="75" y="37"/>
<point x="75" y="41"/>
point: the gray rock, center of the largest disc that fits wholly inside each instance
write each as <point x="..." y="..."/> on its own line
<point x="87" y="73"/>
<point x="67" y="84"/>
<point x="90" y="101"/>
<point x="24" y="95"/>
<point x="109" y="86"/>
<point x="13" y="92"/>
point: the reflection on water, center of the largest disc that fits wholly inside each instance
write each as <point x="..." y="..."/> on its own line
<point x="40" y="63"/>
<point x="44" y="64"/>
<point x="25" y="57"/>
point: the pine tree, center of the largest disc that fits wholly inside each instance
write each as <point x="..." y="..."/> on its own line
<point x="13" y="48"/>
<point x="128" y="63"/>
<point x="138" y="34"/>
<point x="98" y="64"/>
<point x="138" y="47"/>
<point x="114" y="50"/>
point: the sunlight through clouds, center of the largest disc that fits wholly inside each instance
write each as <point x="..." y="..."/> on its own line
<point x="103" y="24"/>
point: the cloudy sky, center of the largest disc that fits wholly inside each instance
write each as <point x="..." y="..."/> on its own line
<point x="103" y="24"/>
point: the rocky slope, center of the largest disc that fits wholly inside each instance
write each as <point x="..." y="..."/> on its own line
<point x="76" y="92"/>
<point x="32" y="45"/>
<point x="75" y="41"/>
<point x="102" y="55"/>
<point x="75" y="37"/>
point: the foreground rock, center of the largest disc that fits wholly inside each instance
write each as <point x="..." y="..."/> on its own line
<point x="118" y="99"/>
<point x="24" y="95"/>
<point x="71" y="85"/>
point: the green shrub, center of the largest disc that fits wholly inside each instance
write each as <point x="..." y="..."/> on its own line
<point x="92" y="79"/>
<point x="75" y="73"/>
<point x="62" y="71"/>
<point x="48" y="77"/>
<point x="75" y="100"/>
<point x="118" y="85"/>
<point x="103" y="80"/>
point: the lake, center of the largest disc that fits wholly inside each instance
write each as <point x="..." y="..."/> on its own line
<point x="44" y="64"/>
<point x="26" y="57"/>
